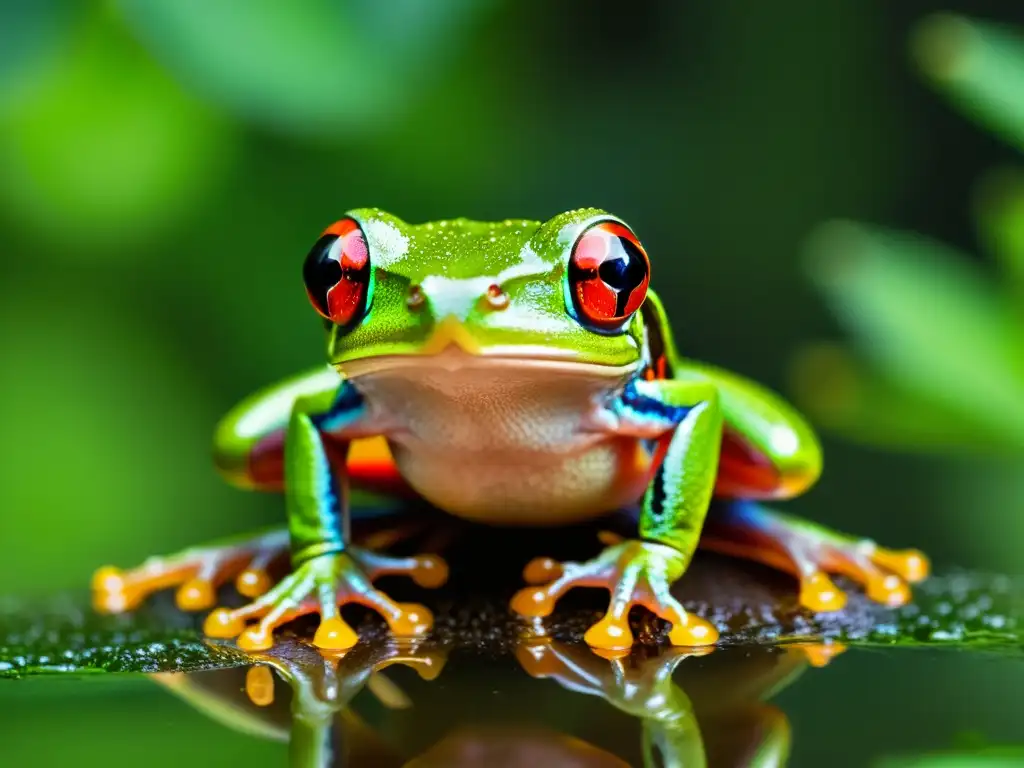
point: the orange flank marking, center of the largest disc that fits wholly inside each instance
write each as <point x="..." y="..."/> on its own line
<point x="743" y="472"/>
<point x="371" y="467"/>
<point x="369" y="463"/>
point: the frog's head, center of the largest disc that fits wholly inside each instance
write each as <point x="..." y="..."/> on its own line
<point x="563" y="293"/>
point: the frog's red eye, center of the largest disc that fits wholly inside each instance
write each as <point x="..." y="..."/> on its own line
<point x="608" y="275"/>
<point x="337" y="273"/>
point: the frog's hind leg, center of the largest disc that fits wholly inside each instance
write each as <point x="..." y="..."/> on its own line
<point x="811" y="552"/>
<point x="196" y="572"/>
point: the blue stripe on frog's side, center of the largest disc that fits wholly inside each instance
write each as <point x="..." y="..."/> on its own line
<point x="646" y="408"/>
<point x="348" y="406"/>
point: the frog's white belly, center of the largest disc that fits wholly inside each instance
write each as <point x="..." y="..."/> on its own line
<point x="506" y="443"/>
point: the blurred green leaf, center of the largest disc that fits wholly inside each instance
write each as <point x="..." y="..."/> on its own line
<point x="999" y="210"/>
<point x="928" y="320"/>
<point x="104" y="149"/>
<point x="106" y="433"/>
<point x="980" y="67"/>
<point x="842" y="393"/>
<point x="1011" y="756"/>
<point x="29" y="34"/>
<point x="320" y="67"/>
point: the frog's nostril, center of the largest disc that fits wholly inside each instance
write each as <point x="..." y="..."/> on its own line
<point x="496" y="297"/>
<point x="415" y="298"/>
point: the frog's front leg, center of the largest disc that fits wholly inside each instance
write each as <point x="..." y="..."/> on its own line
<point x="327" y="571"/>
<point x="685" y="419"/>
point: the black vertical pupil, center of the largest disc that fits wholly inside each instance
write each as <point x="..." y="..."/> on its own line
<point x="321" y="271"/>
<point x="625" y="268"/>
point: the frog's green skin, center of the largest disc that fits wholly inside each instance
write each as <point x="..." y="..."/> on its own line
<point x="500" y="401"/>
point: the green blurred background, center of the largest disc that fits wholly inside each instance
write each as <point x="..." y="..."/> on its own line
<point x="164" y="167"/>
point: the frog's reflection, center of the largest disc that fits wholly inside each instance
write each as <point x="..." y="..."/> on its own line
<point x="384" y="706"/>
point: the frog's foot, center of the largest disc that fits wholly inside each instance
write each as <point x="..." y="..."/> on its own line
<point x="640" y="687"/>
<point x="336" y="677"/>
<point x="196" y="572"/>
<point x="324" y="584"/>
<point x="643" y="686"/>
<point x="811" y="552"/>
<point x="636" y="573"/>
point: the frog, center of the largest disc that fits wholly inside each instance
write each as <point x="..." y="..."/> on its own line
<point x="517" y="373"/>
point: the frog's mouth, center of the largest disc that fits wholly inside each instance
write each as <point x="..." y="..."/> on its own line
<point x="452" y="347"/>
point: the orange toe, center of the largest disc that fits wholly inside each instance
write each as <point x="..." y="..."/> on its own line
<point x="694" y="631"/>
<point x="819" y="594"/>
<point x="223" y="624"/>
<point x="534" y="602"/>
<point x="335" y="635"/>
<point x="430" y="572"/>
<point x="541" y="570"/>
<point x="256" y="638"/>
<point x="108" y="579"/>
<point x="195" y="595"/>
<point x="252" y="582"/>
<point x="610" y="634"/>
<point x="911" y="564"/>
<point x="412" y="621"/>
<point x="888" y="589"/>
<point x="110" y="592"/>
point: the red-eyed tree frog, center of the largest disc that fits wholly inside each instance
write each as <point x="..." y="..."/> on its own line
<point x="517" y="373"/>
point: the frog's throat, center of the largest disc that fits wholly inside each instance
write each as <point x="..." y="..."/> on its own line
<point x="454" y="358"/>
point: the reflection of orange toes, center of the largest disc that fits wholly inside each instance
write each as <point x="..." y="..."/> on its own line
<point x="818" y="593"/>
<point x="541" y="570"/>
<point x="195" y="595"/>
<point x="534" y="602"/>
<point x="412" y="620"/>
<point x="533" y="656"/>
<point x="259" y="686"/>
<point x="252" y="582"/>
<point x="223" y="624"/>
<point x="335" y="635"/>
<point x="819" y="654"/>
